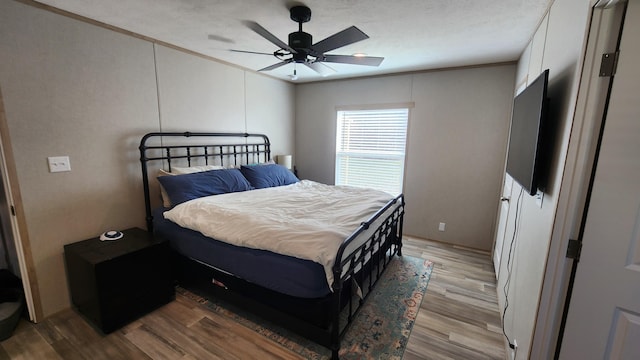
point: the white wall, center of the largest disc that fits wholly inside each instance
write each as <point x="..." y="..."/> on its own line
<point x="196" y="93"/>
<point x="270" y="109"/>
<point x="76" y="89"/>
<point x="557" y="45"/>
<point x="456" y="143"/>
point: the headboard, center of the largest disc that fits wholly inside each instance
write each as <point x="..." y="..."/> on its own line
<point x="226" y="149"/>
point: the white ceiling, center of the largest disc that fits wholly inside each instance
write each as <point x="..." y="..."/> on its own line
<point x="410" y="34"/>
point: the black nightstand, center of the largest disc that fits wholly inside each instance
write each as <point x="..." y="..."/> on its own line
<point x="116" y="281"/>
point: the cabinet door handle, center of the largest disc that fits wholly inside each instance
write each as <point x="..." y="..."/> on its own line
<point x="504" y="198"/>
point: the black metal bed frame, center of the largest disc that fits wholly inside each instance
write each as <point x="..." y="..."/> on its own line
<point x="360" y="260"/>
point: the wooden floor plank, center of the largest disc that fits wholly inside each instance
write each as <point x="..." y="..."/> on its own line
<point x="458" y="319"/>
<point x="154" y="345"/>
<point x="26" y="343"/>
<point x="459" y="315"/>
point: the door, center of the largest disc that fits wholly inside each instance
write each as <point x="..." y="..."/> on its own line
<point x="11" y="231"/>
<point x="603" y="319"/>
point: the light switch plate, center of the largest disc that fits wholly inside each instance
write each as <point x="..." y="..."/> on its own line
<point x="59" y="163"/>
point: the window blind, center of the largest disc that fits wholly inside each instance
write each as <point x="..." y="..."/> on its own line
<point x="370" y="148"/>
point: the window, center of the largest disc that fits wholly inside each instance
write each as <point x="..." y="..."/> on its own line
<point x="370" y="148"/>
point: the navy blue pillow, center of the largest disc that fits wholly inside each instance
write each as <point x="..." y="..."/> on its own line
<point x="270" y="175"/>
<point x="181" y="188"/>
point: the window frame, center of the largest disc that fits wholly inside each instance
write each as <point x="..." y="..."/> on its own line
<point x="394" y="155"/>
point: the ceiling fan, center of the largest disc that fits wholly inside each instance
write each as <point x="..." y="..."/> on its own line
<point x="301" y="50"/>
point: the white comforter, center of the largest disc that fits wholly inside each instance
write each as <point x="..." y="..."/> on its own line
<point x="307" y="220"/>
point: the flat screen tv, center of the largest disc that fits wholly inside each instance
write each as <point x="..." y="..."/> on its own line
<point x="524" y="156"/>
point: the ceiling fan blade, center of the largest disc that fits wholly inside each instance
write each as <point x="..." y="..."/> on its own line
<point x="356" y="60"/>
<point x="269" y="36"/>
<point x="251" y="52"/>
<point x="321" y="68"/>
<point x="275" y="66"/>
<point x="345" y="37"/>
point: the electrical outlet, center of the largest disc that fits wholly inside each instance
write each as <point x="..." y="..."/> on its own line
<point x="539" y="197"/>
<point x="513" y="351"/>
<point x="441" y="226"/>
<point x="59" y="163"/>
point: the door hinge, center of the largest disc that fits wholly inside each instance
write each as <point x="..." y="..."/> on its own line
<point x="13" y="211"/>
<point x="574" y="249"/>
<point x="609" y="64"/>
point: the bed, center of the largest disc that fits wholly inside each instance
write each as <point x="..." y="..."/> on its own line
<point x="281" y="276"/>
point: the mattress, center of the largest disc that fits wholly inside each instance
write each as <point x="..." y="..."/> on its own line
<point x="306" y="220"/>
<point x="281" y="273"/>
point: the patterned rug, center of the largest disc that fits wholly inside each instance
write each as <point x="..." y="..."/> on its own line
<point x="381" y="329"/>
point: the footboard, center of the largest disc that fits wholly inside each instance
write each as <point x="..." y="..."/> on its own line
<point x="360" y="261"/>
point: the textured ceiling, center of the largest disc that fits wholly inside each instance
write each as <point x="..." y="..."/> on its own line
<point x="409" y="34"/>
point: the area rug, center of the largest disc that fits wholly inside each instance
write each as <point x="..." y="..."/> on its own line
<point x="380" y="330"/>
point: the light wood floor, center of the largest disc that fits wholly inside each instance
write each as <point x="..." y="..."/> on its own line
<point x="459" y="319"/>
